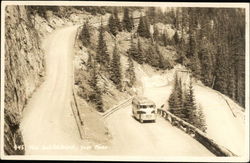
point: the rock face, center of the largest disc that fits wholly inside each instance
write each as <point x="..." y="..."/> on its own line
<point x="24" y="71"/>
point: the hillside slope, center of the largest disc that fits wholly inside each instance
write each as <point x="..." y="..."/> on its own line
<point x="225" y="126"/>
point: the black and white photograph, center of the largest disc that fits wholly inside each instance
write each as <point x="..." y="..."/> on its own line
<point x="124" y="81"/>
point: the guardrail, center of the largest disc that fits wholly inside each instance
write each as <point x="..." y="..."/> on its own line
<point x="74" y="105"/>
<point x="115" y="108"/>
<point x="197" y="134"/>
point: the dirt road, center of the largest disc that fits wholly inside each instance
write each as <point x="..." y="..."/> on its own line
<point x="130" y="137"/>
<point x="48" y="123"/>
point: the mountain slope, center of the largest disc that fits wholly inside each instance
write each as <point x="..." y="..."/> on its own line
<point x="224" y="125"/>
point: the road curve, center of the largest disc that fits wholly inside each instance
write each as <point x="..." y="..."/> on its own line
<point x="150" y="139"/>
<point x="48" y="120"/>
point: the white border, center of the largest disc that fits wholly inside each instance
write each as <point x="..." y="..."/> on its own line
<point x="109" y="3"/>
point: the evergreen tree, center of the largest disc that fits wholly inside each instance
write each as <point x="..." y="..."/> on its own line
<point x="112" y="26"/>
<point x="143" y="27"/>
<point x="151" y="13"/>
<point x="136" y="52"/>
<point x="132" y="51"/>
<point x="221" y="71"/>
<point x="116" y="75"/>
<point x="96" y="96"/>
<point x="147" y="28"/>
<point x="176" y="39"/>
<point x="195" y="115"/>
<point x="102" y="55"/>
<point x="151" y="56"/>
<point x="117" y="20"/>
<point x="89" y="62"/>
<point x="192" y="45"/>
<point x="200" y="121"/>
<point x="127" y="24"/>
<point x="175" y="99"/>
<point x="176" y="21"/>
<point x="132" y="21"/>
<point x="156" y="33"/>
<point x="160" y="57"/>
<point x="189" y="105"/>
<point x="130" y="71"/>
<point x="206" y="65"/>
<point x="85" y="34"/>
<point x="164" y="39"/>
<point x="140" y="55"/>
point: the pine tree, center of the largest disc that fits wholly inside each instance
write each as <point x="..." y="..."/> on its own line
<point x="192" y="44"/>
<point x="127" y="24"/>
<point x="96" y="97"/>
<point x="151" y="13"/>
<point x="132" y="51"/>
<point x="85" y="34"/>
<point x="136" y="52"/>
<point x="130" y="71"/>
<point x="189" y="105"/>
<point x="175" y="99"/>
<point x="147" y="28"/>
<point x="164" y="39"/>
<point x="132" y="21"/>
<point x="116" y="75"/>
<point x="102" y="55"/>
<point x="201" y="122"/>
<point x="206" y="65"/>
<point x="117" y="20"/>
<point x="180" y="92"/>
<point x="112" y="27"/>
<point x="176" y="39"/>
<point x="143" y="27"/>
<point x="193" y="115"/>
<point x="140" y="55"/>
<point x="220" y="82"/>
<point x="156" y="34"/>
<point x="151" y="56"/>
<point x="89" y="62"/>
<point x="176" y="18"/>
<point x="160" y="57"/>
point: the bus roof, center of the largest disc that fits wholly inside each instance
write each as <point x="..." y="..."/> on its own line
<point x="143" y="100"/>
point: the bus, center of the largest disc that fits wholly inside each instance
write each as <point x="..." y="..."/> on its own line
<point x="143" y="109"/>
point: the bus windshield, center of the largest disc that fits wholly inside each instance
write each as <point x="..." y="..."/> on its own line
<point x="146" y="106"/>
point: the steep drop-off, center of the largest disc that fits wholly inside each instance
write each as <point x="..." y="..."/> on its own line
<point x="24" y="71"/>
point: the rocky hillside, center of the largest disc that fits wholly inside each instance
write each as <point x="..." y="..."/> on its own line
<point x="24" y="71"/>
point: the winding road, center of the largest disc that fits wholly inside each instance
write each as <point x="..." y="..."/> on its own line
<point x="48" y="120"/>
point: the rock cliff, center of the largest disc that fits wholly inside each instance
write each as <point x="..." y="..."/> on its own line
<point x="24" y="71"/>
